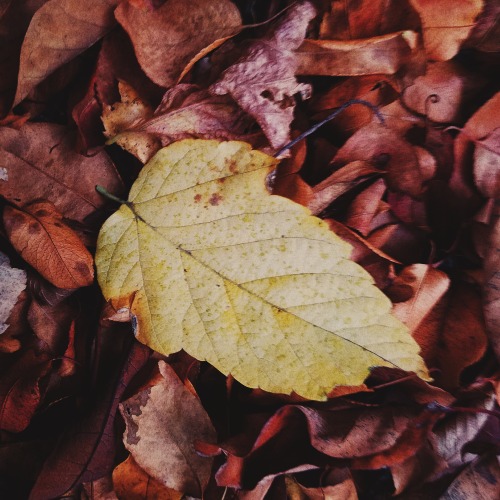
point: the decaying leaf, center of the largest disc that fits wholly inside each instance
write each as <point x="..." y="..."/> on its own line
<point x="163" y="422"/>
<point x="166" y="38"/>
<point x="263" y="82"/>
<point x="185" y="111"/>
<point x="264" y="291"/>
<point x="12" y="283"/>
<point x="45" y="152"/>
<point x="40" y="235"/>
<point x="58" y="32"/>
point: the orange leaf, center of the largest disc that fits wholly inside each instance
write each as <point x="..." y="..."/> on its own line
<point x="39" y="234"/>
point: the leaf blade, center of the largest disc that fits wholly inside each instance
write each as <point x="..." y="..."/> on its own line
<point x="231" y="275"/>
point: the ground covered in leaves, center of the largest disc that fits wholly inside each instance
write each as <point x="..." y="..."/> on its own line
<point x="408" y="174"/>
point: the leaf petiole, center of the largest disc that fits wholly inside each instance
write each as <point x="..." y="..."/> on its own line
<point x="104" y="192"/>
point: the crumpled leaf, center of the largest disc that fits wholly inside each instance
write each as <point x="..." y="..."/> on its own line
<point x="167" y="38"/>
<point x="263" y="290"/>
<point x="185" y="111"/>
<point x="163" y="422"/>
<point x="40" y="235"/>
<point x="263" y="82"/>
<point x="446" y="24"/>
<point x="12" y="283"/>
<point x="382" y="54"/>
<point x="44" y="152"/>
<point x="487" y="165"/>
<point x="58" y="32"/>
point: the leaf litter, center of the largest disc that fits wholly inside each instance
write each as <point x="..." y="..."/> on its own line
<point x="409" y="208"/>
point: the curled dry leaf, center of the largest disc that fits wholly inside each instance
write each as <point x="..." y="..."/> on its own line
<point x="263" y="81"/>
<point x="163" y="422"/>
<point x="12" y="283"/>
<point x="443" y="93"/>
<point x="58" y="32"/>
<point x="40" y="235"/>
<point x="201" y="219"/>
<point x="38" y="162"/>
<point x="166" y="39"/>
<point x="383" y="54"/>
<point x="446" y="24"/>
<point x="185" y="111"/>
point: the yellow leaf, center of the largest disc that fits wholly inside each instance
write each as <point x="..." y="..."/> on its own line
<point x="209" y="262"/>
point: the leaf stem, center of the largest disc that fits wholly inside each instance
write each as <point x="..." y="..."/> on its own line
<point x="104" y="192"/>
<point x="330" y="117"/>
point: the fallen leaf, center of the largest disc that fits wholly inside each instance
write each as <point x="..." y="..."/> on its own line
<point x="185" y="111"/>
<point x="20" y="392"/>
<point x="14" y="21"/>
<point x="365" y="206"/>
<point x="12" y="283"/>
<point x="416" y="291"/>
<point x="337" y="484"/>
<point x="263" y="81"/>
<point x="41" y="237"/>
<point x="132" y="483"/>
<point x="58" y="32"/>
<point x="163" y="422"/>
<point x="341" y="181"/>
<point x="491" y="284"/>
<point x="244" y="319"/>
<point x="167" y="38"/>
<point x="352" y="19"/>
<point x="480" y="479"/>
<point x="457" y="430"/>
<point x="446" y="24"/>
<point x="444" y="92"/>
<point x="85" y="451"/>
<point x="42" y="154"/>
<point x="487" y="165"/>
<point x="378" y="55"/>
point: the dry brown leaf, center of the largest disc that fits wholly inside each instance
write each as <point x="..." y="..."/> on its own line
<point x="167" y="38"/>
<point x="487" y="165"/>
<point x="337" y="484"/>
<point x="480" y="479"/>
<point x="58" y="32"/>
<point x="446" y="24"/>
<point x="365" y="206"/>
<point x="459" y="429"/>
<point x="407" y="169"/>
<point x="38" y="162"/>
<point x="415" y="292"/>
<point x="43" y="240"/>
<point x="383" y="55"/>
<point x="263" y="81"/>
<point x="338" y="183"/>
<point x="163" y="422"/>
<point x="443" y="93"/>
<point x="185" y="111"/>
<point x="491" y="285"/>
<point x="479" y="126"/>
<point x="15" y="17"/>
<point x="351" y="19"/>
<point x="132" y="483"/>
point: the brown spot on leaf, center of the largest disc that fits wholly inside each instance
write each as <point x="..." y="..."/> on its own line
<point x="131" y="408"/>
<point x="41" y="213"/>
<point x="215" y="199"/>
<point x="197" y="198"/>
<point x="81" y="268"/>
<point x="34" y="228"/>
